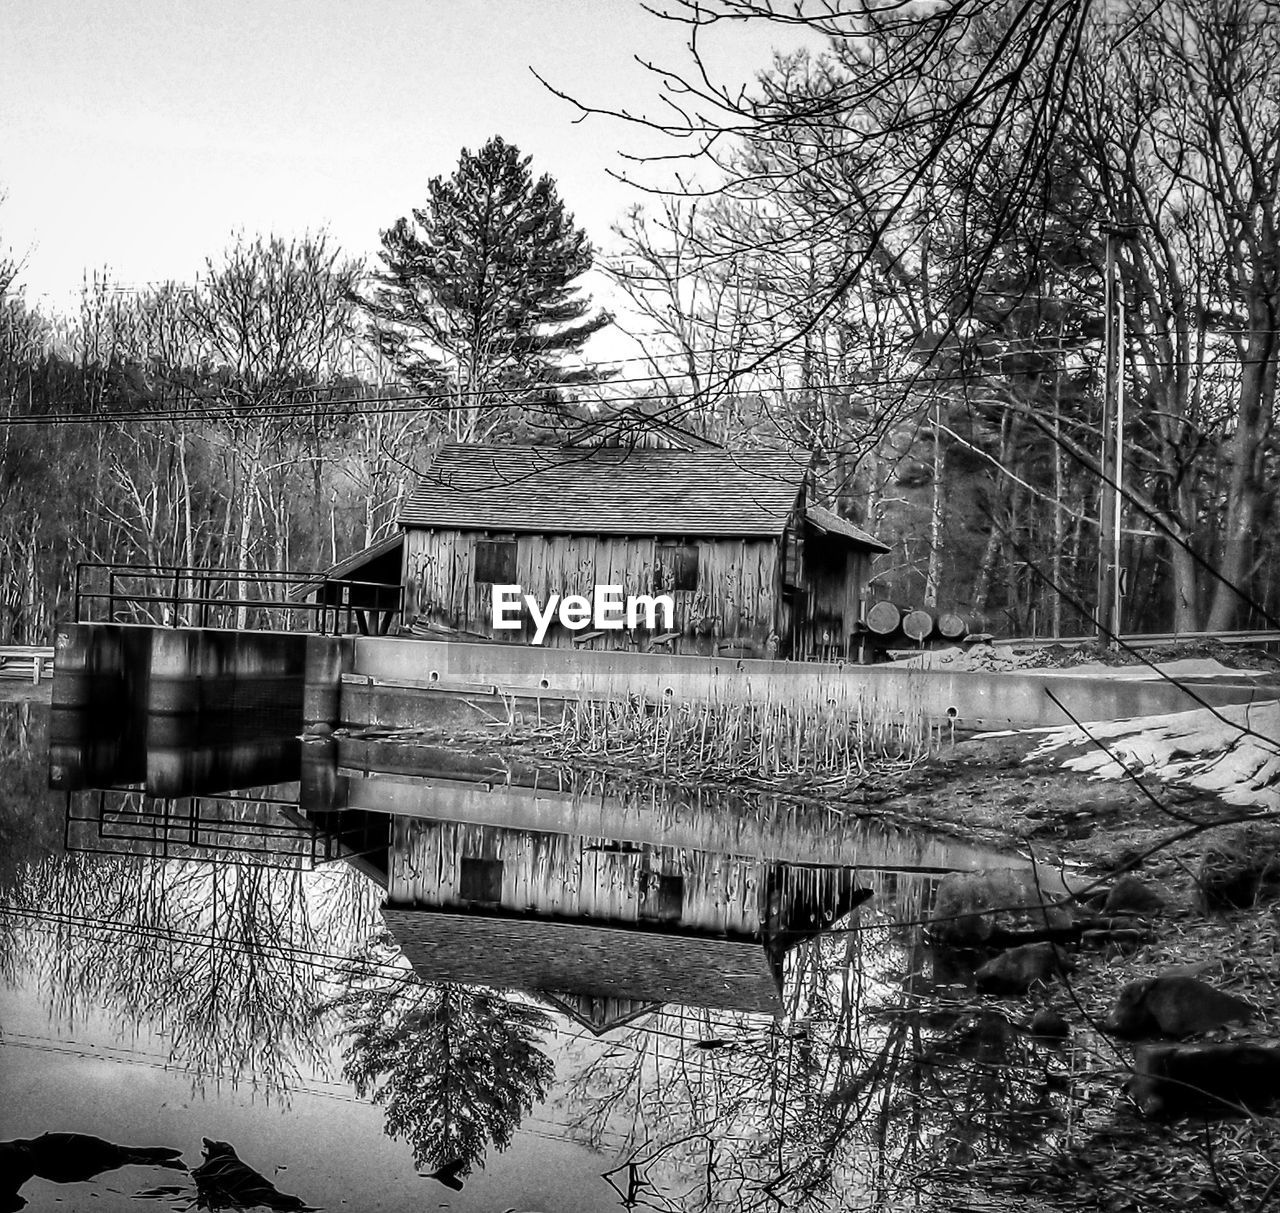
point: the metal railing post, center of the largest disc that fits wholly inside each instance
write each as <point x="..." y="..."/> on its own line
<point x="186" y="592"/>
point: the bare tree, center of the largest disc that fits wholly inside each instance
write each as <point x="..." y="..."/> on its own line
<point x="956" y="167"/>
<point x="1179" y="127"/>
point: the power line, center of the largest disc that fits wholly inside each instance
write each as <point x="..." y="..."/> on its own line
<point x="453" y="400"/>
<point x="140" y="935"/>
<point x="717" y="1019"/>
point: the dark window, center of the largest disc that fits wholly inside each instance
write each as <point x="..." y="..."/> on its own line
<point x="481" y="880"/>
<point x="496" y="561"/>
<point x="663" y="899"/>
<point x="793" y="559"/>
<point x="676" y="568"/>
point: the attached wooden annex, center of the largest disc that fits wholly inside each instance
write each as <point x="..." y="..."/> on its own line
<point x="754" y="568"/>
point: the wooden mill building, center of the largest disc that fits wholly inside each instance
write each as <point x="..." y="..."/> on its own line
<point x="754" y="567"/>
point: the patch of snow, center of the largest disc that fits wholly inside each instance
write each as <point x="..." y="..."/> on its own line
<point x="1186" y="667"/>
<point x="1001" y="657"/>
<point x="1232" y="752"/>
<point x="984" y="657"/>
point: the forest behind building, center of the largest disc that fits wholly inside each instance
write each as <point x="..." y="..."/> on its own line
<point x="892" y="252"/>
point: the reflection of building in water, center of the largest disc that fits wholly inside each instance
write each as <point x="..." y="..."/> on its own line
<point x="453" y="865"/>
<point x="606" y="927"/>
<point x="606" y="898"/>
<point x="602" y="975"/>
<point x="603" y="897"/>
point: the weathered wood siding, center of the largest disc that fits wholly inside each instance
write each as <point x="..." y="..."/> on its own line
<point x="834" y="578"/>
<point x="738" y="599"/>
<point x="573" y="876"/>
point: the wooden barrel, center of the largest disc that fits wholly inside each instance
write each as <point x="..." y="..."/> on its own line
<point x="952" y="626"/>
<point x="884" y="618"/>
<point x="918" y="624"/>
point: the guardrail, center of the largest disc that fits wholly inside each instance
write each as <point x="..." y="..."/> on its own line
<point x="202" y="597"/>
<point x="26" y="661"/>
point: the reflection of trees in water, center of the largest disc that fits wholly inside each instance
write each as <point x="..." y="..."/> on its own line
<point x="867" y="1084"/>
<point x="224" y="960"/>
<point x="30" y="815"/>
<point x="991" y="1089"/>
<point x="454" y="1068"/>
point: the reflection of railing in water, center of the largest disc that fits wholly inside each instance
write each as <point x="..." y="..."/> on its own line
<point x="261" y="830"/>
<point x="192" y="596"/>
<point x="29" y="662"/>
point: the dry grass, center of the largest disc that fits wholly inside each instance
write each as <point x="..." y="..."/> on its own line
<point x="762" y="740"/>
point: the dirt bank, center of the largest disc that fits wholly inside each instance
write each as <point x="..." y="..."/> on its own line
<point x="998" y="789"/>
<point x="991" y="789"/>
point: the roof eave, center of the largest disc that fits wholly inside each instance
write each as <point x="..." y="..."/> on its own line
<point x="869" y="544"/>
<point x="530" y="529"/>
<point x="349" y="564"/>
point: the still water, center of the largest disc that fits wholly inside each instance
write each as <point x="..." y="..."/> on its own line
<point x="353" y="973"/>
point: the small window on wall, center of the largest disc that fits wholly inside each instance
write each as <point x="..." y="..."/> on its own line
<point x="496" y="561"/>
<point x="676" y="568"/>
<point x="481" y="880"/>
<point x="663" y="900"/>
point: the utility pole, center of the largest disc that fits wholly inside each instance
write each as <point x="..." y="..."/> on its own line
<point x="1117" y="509"/>
<point x="1110" y="493"/>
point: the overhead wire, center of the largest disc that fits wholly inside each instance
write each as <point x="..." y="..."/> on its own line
<point x="50" y="921"/>
<point x="329" y="962"/>
<point x="283" y="404"/>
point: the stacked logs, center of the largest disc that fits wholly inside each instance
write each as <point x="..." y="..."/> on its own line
<point x="886" y="621"/>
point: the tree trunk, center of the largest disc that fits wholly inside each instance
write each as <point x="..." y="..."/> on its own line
<point x="1245" y="452"/>
<point x="1186" y="588"/>
<point x="933" y="571"/>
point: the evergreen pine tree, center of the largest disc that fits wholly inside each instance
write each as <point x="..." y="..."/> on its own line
<point x="455" y="1069"/>
<point x="475" y="299"/>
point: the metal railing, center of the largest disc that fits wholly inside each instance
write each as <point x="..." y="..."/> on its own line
<point x="231" y="827"/>
<point x="202" y="597"/>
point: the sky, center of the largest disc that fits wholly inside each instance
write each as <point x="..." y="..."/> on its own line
<point x="136" y="136"/>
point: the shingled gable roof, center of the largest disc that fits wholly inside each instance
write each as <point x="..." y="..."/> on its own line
<point x="584" y="957"/>
<point x="607" y="491"/>
<point x="832" y="524"/>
